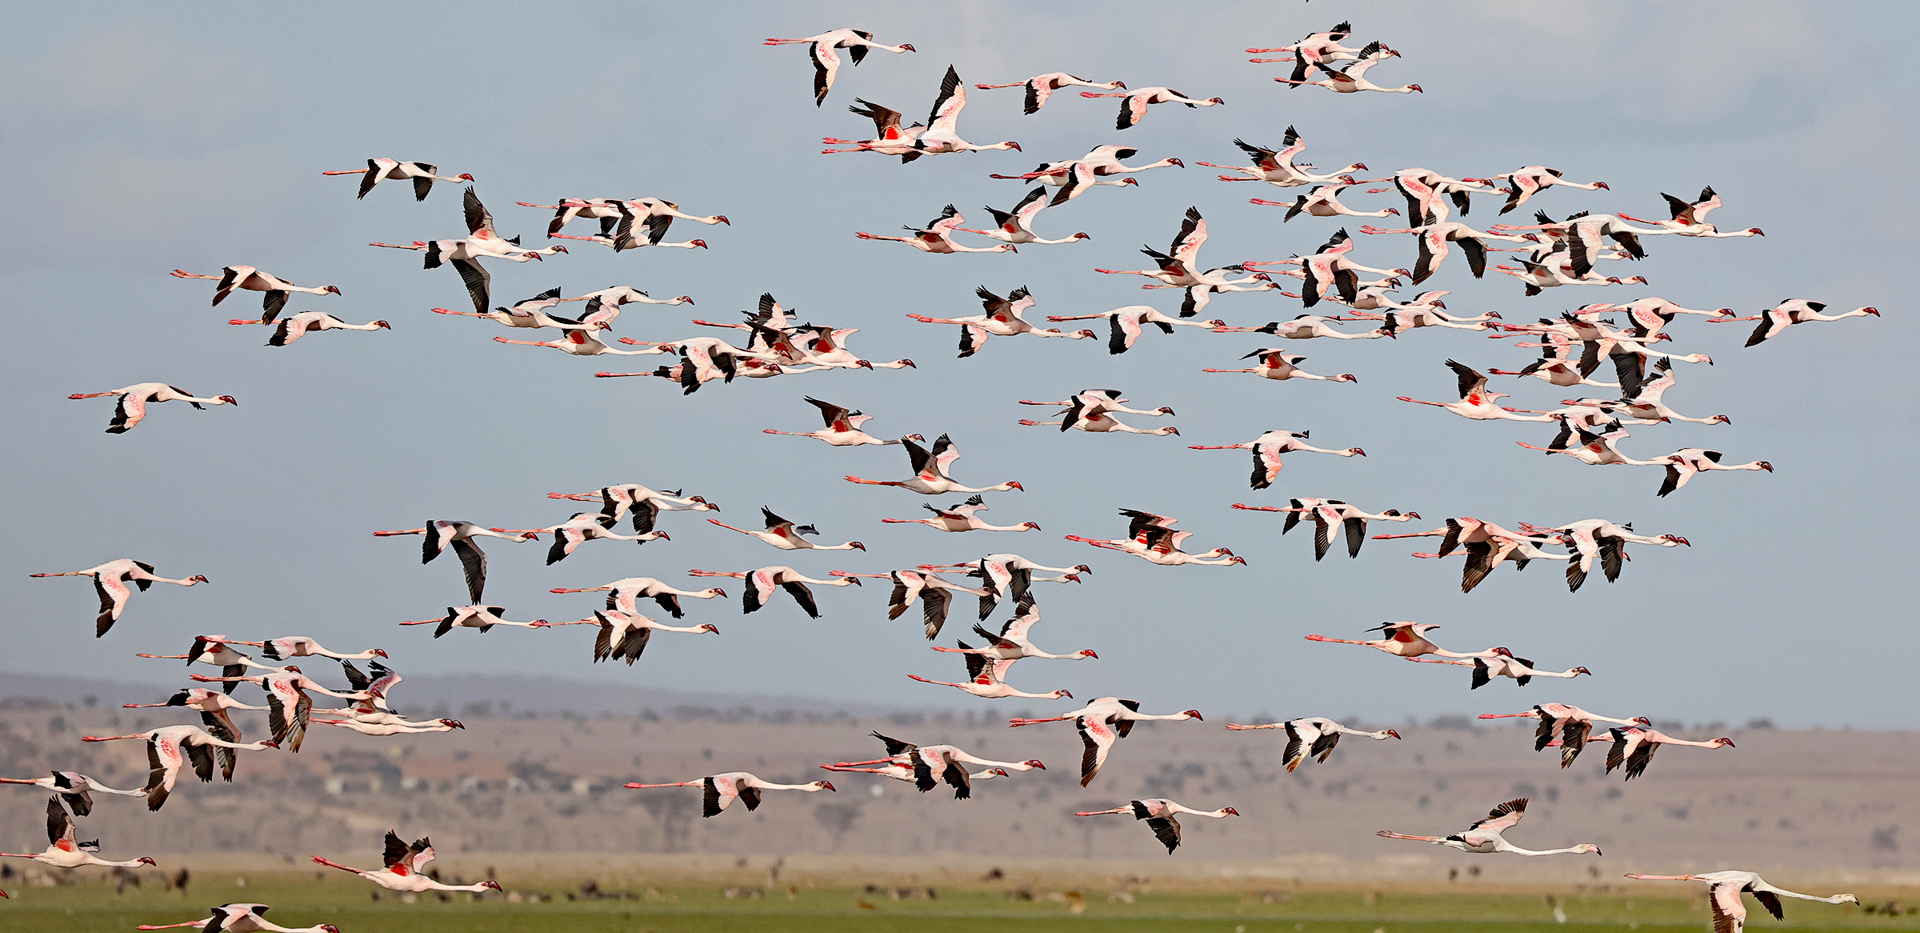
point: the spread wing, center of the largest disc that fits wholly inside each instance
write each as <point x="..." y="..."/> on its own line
<point x="474" y="562"/>
<point x="478" y="219"/>
<point x="1503" y="817"/>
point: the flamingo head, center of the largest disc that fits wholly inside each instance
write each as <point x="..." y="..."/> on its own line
<point x="1193" y="714"/>
<point x="1420" y="90"/>
<point x="291" y="669"/>
<point x="917" y="438"/>
<point x="1723" y="742"/>
<point x="1171" y="430"/>
<point x="1216" y="323"/>
<point x="903" y="361"/>
<point x="384" y="325"/>
<point x="997" y="772"/>
<point x="1644" y="721"/>
<point x="1223" y="552"/>
<point x="1873" y="311"/>
<point x="1356" y="451"/>
<point x="1407" y="514"/>
<point x="1756" y="231"/>
<point x="1031" y="526"/>
<point x="1582" y="670"/>
<point x="1086" y="333"/>
<point x="1215" y="100"/>
<point x="463" y="176"/>
<point x="333" y="289"/>
<point x="856" y="545"/>
<point x="1676" y="539"/>
<point x="198" y="578"/>
<point x="1232" y="559"/>
<point x="825" y="785"/>
<point x="1502" y="652"/>
<point x="907" y="47"/>
<point x="143" y="860"/>
<point x="1130" y="180"/>
<point x="700" y="243"/>
<point x="453" y="723"/>
<point x="1011" y="484"/>
<point x="1082" y="568"/>
<point x="490" y="885"/>
<point x="1589" y="848"/>
<point x="715" y="592"/>
<point x="1062" y="694"/>
<point x="863" y="364"/>
<point x="379" y="653"/>
<point x="230" y="400"/>
<point x="1088" y="653"/>
<point x="662" y="536"/>
<point x="1764" y="465"/>
<point x="1171" y="160"/>
<point x="722" y="219"/>
<point x="1393" y="732"/>
<point x="1083" y="236"/>
<point x="709" y="627"/>
<point x="329" y="928"/>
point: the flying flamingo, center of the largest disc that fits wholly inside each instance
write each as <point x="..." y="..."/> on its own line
<point x="937" y="236"/>
<point x="1572" y="724"/>
<point x="625" y="594"/>
<point x="1634" y="746"/>
<point x="1151" y="539"/>
<point x="645" y="504"/>
<point x="110" y="582"/>
<point x="963" y="517"/>
<point x="585" y="343"/>
<point x="291" y="328"/>
<point x="482" y="241"/>
<point x="843" y="427"/>
<point x="1328" y="513"/>
<point x="1041" y="87"/>
<point x="288" y="704"/>
<point x="761" y="582"/>
<point x="1276" y="167"/>
<point x="275" y="290"/>
<point x="826" y="63"/>
<point x="586" y="526"/>
<point x="169" y="748"/>
<point x="942" y="134"/>
<point x="890" y="138"/>
<point x="1135" y="103"/>
<point x="987" y="680"/>
<point x="1279" y="365"/>
<point x="1101" y="165"/>
<point x="1313" y="736"/>
<point x="1683" y="464"/>
<point x="1485" y="836"/>
<point x="300" y="646"/>
<point x="1011" y="575"/>
<point x="77" y="788"/>
<point x="787" y="536"/>
<point x="1787" y="313"/>
<point x="1405" y="640"/>
<point x="1725" y="887"/>
<point x="212" y="706"/>
<point x="1014" y="642"/>
<point x="1353" y="78"/>
<point x="1268" y="448"/>
<point x="1125" y="325"/>
<point x="625" y="634"/>
<point x="1322" y="201"/>
<point x="214" y="650"/>
<point x="934" y="594"/>
<point x="134" y="399"/>
<point x="393" y="728"/>
<point x="404" y="869"/>
<point x="483" y="618"/>
<point x="643" y="223"/>
<point x="1002" y="319"/>
<point x="240" y="918"/>
<point x="923" y="762"/>
<point x="722" y="789"/>
<point x="1476" y="402"/>
<point x="441" y="535"/>
<point x="1524" y="183"/>
<point x="536" y="312"/>
<point x="1101" y="723"/>
<point x="64" y="850"/>
<point x="1016" y="226"/>
<point x="930" y="471"/>
<point x="1500" y="662"/>
<point x="1598" y="538"/>
<point x="1688" y="218"/>
<point x="1159" y="813"/>
<point x="900" y="771"/>
<point x="379" y="170"/>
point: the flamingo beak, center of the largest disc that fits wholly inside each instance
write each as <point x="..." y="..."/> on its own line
<point x="827" y="785"/>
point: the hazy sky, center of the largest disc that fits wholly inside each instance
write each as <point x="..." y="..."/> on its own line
<point x="140" y="140"/>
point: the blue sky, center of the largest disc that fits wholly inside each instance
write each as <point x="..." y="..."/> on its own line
<point x="142" y="140"/>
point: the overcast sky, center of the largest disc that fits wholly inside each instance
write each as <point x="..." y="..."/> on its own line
<point x="142" y="139"/>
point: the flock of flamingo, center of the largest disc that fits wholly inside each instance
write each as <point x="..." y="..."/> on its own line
<point x="1573" y="345"/>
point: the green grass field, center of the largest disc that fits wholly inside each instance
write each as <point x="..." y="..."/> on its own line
<point x="803" y="906"/>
